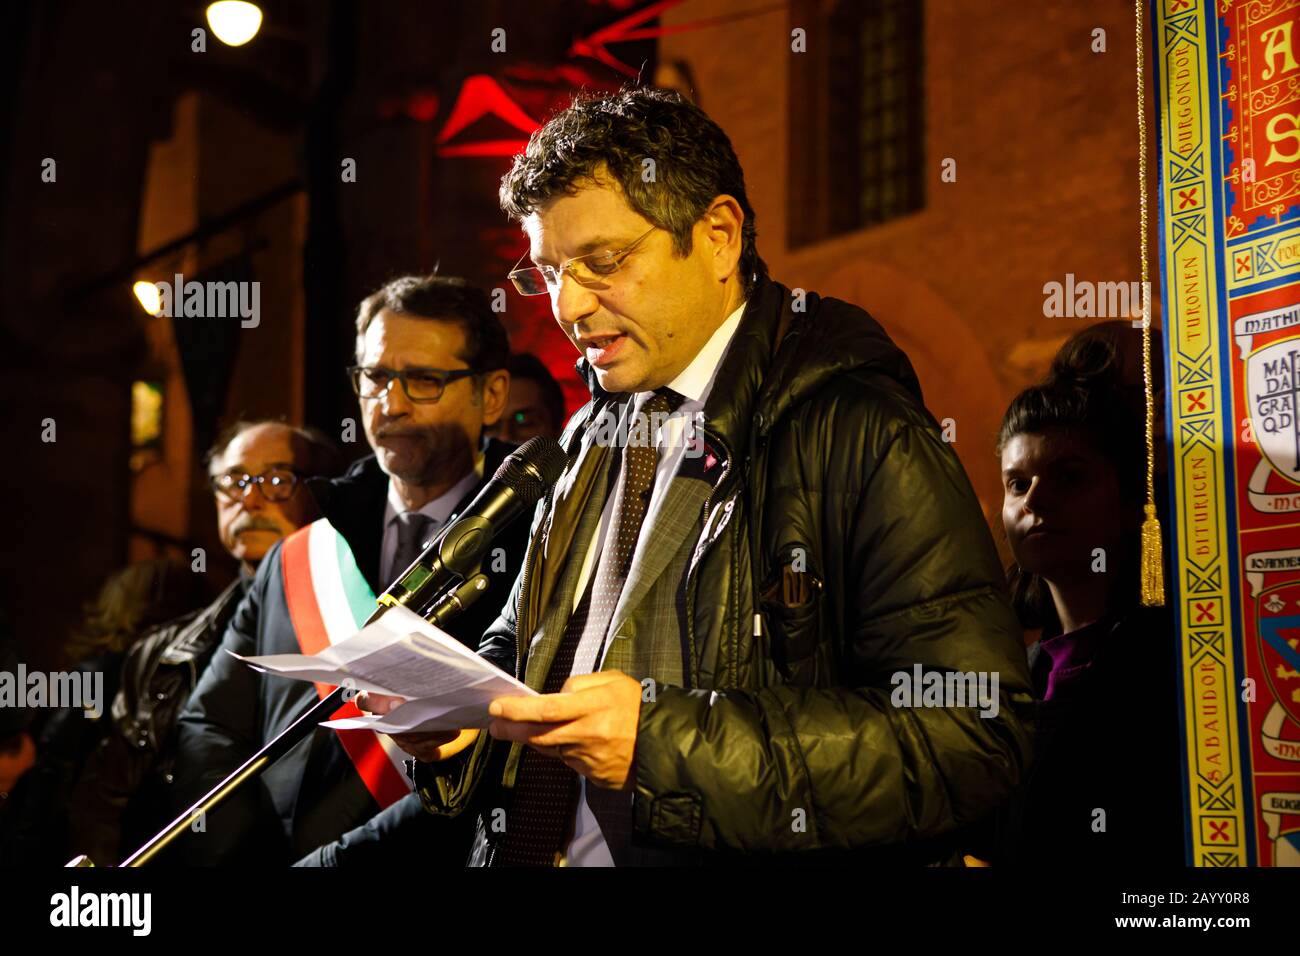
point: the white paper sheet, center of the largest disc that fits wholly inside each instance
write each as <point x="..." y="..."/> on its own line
<point x="447" y="685"/>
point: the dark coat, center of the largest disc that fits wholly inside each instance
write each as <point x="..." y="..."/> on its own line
<point x="1112" y="742"/>
<point x="124" y="794"/>
<point x="836" y="476"/>
<point x="313" y="795"/>
<point x="34" y="817"/>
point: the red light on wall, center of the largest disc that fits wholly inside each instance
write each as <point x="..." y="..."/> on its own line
<point x="422" y="107"/>
<point x="481" y="96"/>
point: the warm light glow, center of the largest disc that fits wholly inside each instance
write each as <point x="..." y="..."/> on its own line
<point x="234" y="21"/>
<point x="148" y="295"/>
<point x="146" y="413"/>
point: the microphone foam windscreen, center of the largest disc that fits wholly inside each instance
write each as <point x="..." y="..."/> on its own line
<point x="533" y="467"/>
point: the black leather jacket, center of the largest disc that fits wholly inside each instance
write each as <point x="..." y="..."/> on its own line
<point x="123" y="796"/>
<point x="835" y="470"/>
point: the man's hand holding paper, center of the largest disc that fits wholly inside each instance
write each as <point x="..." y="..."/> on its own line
<point x="591" y="725"/>
<point x="427" y="747"/>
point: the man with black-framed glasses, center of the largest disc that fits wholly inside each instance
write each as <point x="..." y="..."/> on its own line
<point x="430" y="376"/>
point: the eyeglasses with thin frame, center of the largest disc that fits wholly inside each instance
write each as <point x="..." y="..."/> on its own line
<point x="276" y="483"/>
<point x="420" y="384"/>
<point x="586" y="270"/>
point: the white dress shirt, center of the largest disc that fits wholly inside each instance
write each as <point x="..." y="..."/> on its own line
<point x="588" y="847"/>
<point x="438" y="510"/>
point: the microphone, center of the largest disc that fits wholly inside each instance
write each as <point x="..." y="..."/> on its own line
<point x="521" y="481"/>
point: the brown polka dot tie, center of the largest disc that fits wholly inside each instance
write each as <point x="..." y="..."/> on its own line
<point x="540" y="820"/>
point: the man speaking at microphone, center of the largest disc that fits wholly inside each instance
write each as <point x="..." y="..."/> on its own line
<point x="430" y="376"/>
<point x="712" y="617"/>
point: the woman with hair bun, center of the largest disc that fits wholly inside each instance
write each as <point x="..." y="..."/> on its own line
<point x="1105" y="786"/>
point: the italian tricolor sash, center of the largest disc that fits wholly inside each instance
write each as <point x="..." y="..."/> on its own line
<point x="329" y="600"/>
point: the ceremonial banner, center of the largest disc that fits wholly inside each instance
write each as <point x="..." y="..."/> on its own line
<point x="1228" y="98"/>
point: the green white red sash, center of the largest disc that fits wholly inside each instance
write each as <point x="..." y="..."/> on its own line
<point x="329" y="600"/>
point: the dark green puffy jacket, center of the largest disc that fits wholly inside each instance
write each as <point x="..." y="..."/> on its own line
<point x="787" y="745"/>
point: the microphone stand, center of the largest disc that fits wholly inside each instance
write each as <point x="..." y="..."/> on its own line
<point x="442" y="609"/>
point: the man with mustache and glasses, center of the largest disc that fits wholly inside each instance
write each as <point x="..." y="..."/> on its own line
<point x="256" y="471"/>
<point x="430" y="376"/>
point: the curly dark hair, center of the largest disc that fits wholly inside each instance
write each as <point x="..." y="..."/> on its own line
<point x="613" y="135"/>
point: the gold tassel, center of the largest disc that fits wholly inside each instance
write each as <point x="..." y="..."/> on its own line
<point x="1153" y="577"/>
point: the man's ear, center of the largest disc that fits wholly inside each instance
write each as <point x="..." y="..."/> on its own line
<point x="723" y="224"/>
<point x="496" y="389"/>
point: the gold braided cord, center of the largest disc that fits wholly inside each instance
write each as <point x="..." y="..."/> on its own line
<point x="1153" y="587"/>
